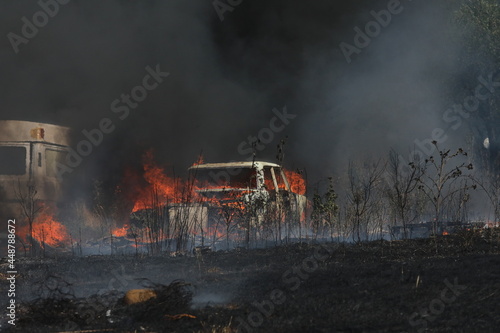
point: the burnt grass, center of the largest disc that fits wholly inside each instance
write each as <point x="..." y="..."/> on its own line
<point x="448" y="284"/>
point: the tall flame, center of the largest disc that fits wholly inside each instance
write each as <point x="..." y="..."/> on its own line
<point x="160" y="188"/>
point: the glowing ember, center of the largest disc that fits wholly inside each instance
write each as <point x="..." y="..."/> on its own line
<point x="215" y="233"/>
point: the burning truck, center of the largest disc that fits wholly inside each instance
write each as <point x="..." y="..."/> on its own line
<point x="240" y="201"/>
<point x="251" y="188"/>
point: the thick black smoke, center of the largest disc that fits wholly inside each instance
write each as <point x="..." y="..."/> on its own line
<point x="227" y="76"/>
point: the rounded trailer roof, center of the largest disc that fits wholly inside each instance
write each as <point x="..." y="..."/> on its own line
<point x="22" y="131"/>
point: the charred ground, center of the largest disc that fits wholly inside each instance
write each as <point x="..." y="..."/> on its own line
<point x="448" y="284"/>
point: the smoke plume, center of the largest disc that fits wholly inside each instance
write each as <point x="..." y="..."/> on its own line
<point x="227" y="76"/>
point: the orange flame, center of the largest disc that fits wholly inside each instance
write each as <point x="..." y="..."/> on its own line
<point x="46" y="229"/>
<point x="160" y="188"/>
<point x="120" y="232"/>
<point x="296" y="181"/>
<point x="199" y="161"/>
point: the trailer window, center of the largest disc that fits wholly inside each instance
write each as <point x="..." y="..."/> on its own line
<point x="52" y="159"/>
<point x="12" y="160"/>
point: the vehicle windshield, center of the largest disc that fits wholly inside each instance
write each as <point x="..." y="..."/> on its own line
<point x="240" y="178"/>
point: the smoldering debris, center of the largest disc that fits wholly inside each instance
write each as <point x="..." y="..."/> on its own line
<point x="61" y="311"/>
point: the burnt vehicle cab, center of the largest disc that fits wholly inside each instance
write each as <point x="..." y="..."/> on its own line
<point x="251" y="179"/>
<point x="254" y="186"/>
<point x="229" y="200"/>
